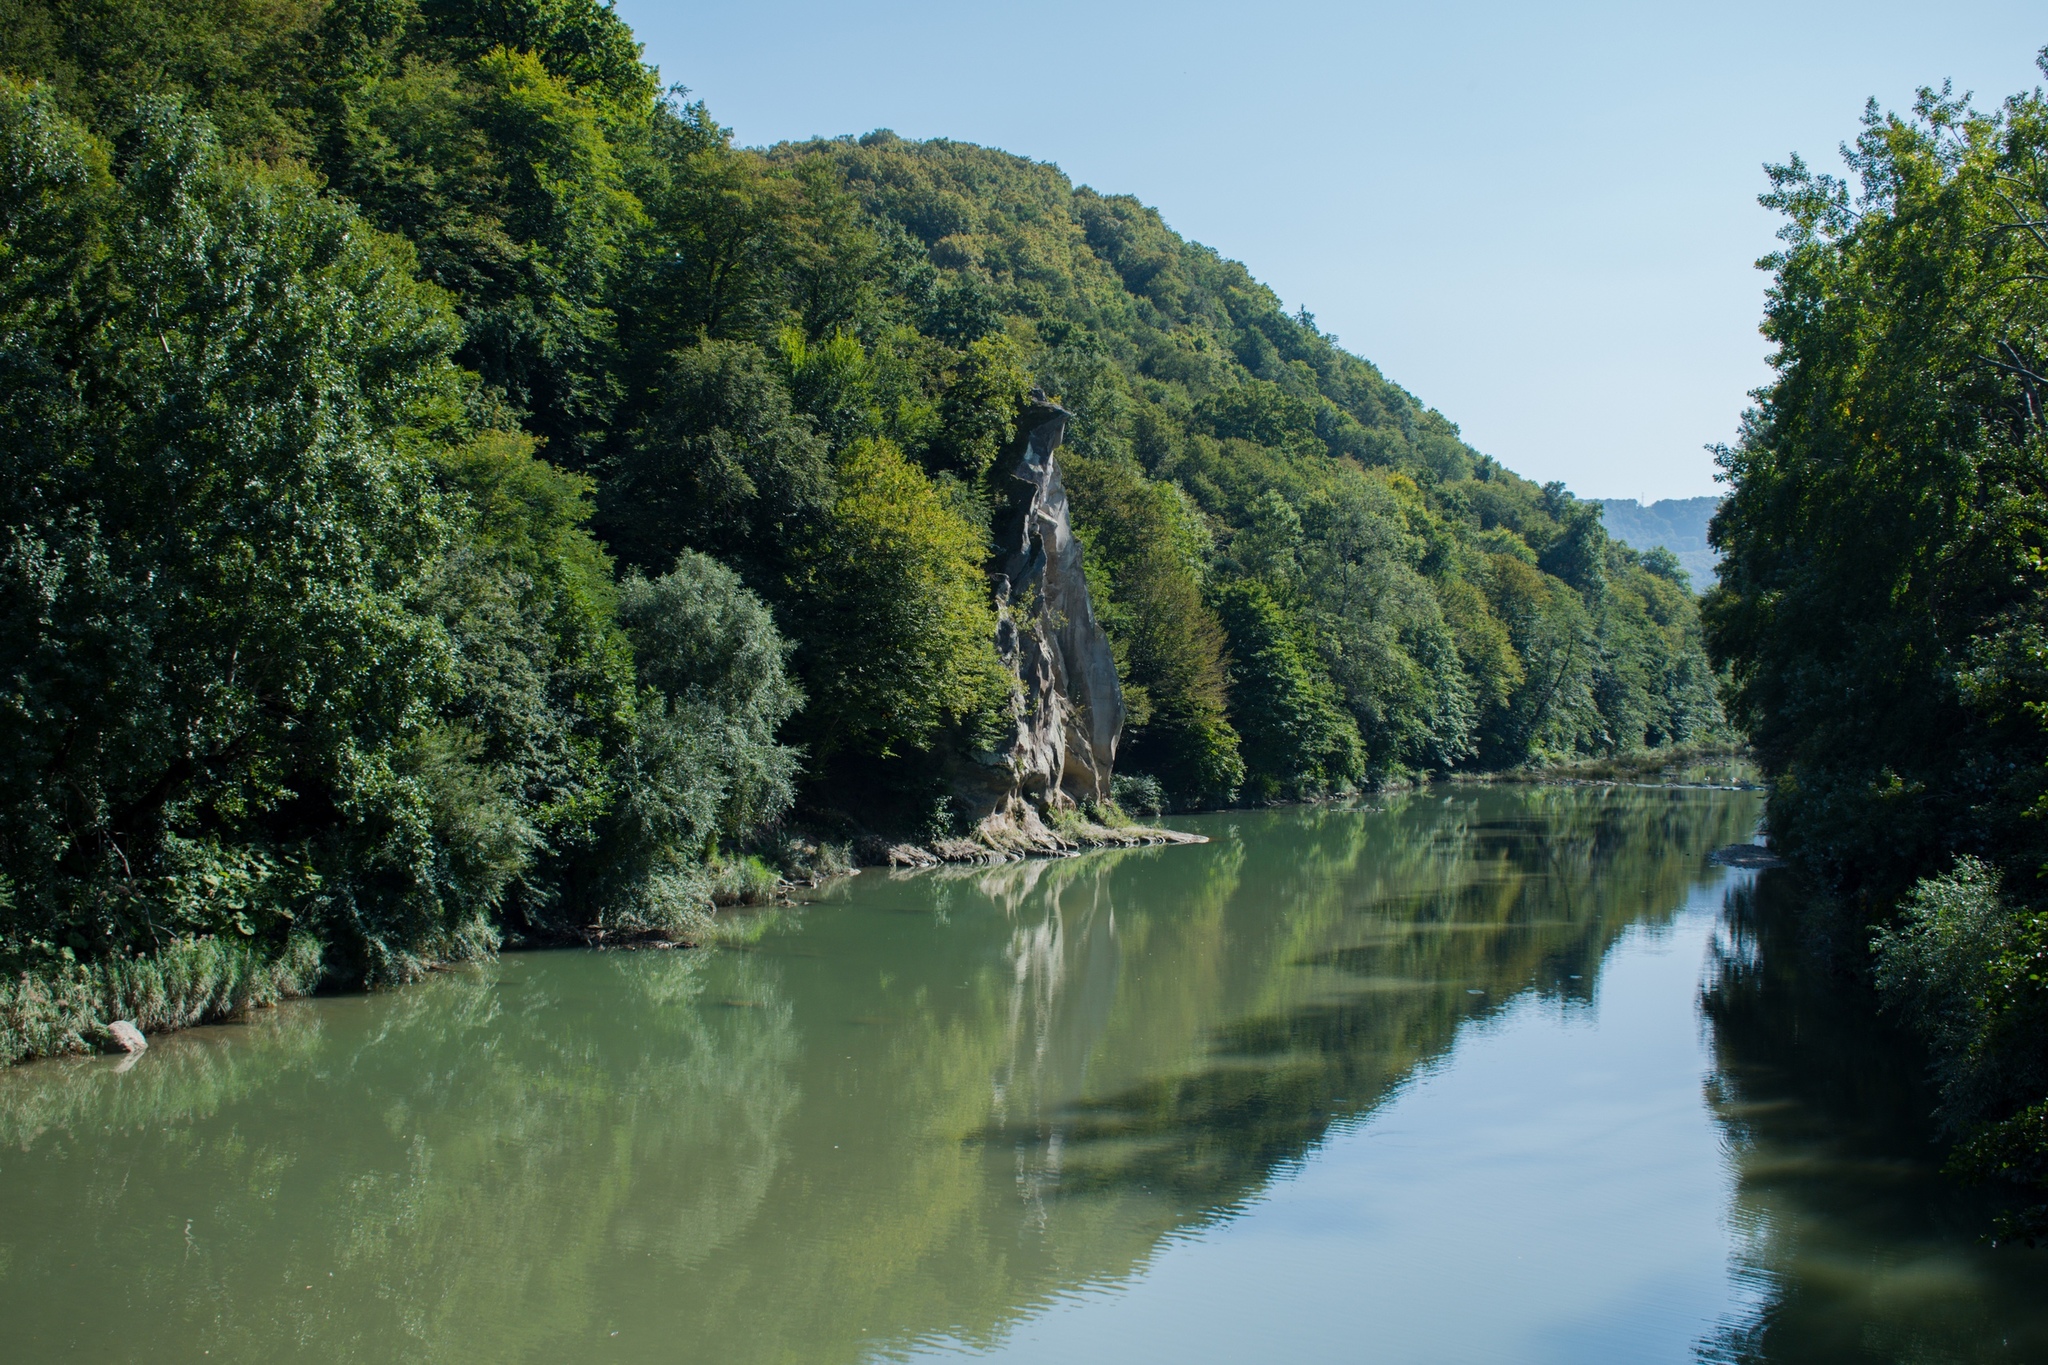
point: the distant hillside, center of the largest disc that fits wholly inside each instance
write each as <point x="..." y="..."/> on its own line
<point x="1677" y="524"/>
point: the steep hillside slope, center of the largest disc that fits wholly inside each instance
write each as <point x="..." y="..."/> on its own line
<point x="1372" y="573"/>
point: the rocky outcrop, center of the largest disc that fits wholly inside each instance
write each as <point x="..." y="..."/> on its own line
<point x="1003" y="840"/>
<point x="1037" y="793"/>
<point x="1069" y="711"/>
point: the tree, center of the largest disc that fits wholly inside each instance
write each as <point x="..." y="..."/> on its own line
<point x="1146" y="553"/>
<point x="895" y="626"/>
<point x="708" y="648"/>
<point x="510" y="180"/>
<point x="1297" y="740"/>
<point x="218" y="521"/>
<point x="703" y="763"/>
<point x="545" y="691"/>
<point x="721" y="463"/>
<point x="1882" y="609"/>
<point x="99" y="58"/>
<point x="1380" y="630"/>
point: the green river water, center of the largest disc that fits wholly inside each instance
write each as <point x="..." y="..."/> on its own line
<point x="1475" y="1074"/>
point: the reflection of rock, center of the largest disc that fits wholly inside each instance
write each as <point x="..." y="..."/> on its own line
<point x="126" y="1036"/>
<point x="1070" y="709"/>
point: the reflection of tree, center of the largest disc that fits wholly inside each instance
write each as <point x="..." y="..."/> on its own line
<point x="946" y="1101"/>
<point x="1426" y="916"/>
<point x="1855" y="1244"/>
<point x="479" y="1152"/>
<point x="188" y="1076"/>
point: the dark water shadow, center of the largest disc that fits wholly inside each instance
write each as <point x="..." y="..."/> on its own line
<point x="1855" y="1244"/>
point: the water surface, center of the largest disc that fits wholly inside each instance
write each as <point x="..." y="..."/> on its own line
<point x="1490" y="1074"/>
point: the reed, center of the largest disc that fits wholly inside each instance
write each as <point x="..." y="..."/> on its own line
<point x="64" y="1006"/>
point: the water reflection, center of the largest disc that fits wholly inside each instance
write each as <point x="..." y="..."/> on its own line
<point x="918" y="1114"/>
<point x="1855" y="1244"/>
<point x="1432" y="913"/>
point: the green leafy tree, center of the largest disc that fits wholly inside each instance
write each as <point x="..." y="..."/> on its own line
<point x="896" y="630"/>
<point x="851" y="392"/>
<point x="709" y="648"/>
<point x="99" y="58"/>
<point x="1381" y="631"/>
<point x="980" y="405"/>
<point x="1881" y="614"/>
<point x="703" y="764"/>
<point x="1886" y="530"/>
<point x="510" y="178"/>
<point x="723" y="463"/>
<point x="1553" y="713"/>
<point x="545" y="694"/>
<point x="1146" y="553"/>
<point x="1298" y="742"/>
<point x="218" y="520"/>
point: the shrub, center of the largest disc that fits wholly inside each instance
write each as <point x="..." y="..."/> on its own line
<point x="62" y="1005"/>
<point x="1965" y="965"/>
<point x="744" y="881"/>
<point x="1138" y="794"/>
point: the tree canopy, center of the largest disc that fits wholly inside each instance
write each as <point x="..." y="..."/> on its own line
<point x="1881" y="603"/>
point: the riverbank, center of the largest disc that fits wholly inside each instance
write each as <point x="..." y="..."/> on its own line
<point x="63" y="1007"/>
<point x="1005" y="840"/>
<point x="1729" y="764"/>
<point x="1724" y="765"/>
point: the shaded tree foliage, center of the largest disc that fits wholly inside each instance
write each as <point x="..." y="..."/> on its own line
<point x="1882" y="607"/>
<point x="722" y="462"/>
<point x="216" y="521"/>
<point x="1297" y="740"/>
<point x="1147" y="553"/>
<point x="897" y="628"/>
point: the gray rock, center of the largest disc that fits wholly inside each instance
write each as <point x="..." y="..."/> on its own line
<point x="126" y="1036"/>
<point x="1070" y="709"/>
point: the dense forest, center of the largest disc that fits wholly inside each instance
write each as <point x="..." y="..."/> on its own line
<point x="1883" y="597"/>
<point x="452" y="492"/>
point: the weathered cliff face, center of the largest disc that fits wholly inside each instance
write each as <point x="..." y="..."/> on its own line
<point x="1070" y="708"/>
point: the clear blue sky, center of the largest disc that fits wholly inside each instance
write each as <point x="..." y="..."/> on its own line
<point x="1541" y="220"/>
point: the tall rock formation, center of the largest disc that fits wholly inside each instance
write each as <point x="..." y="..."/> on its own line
<point x="1069" y="710"/>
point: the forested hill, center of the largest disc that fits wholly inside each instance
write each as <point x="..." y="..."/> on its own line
<point x="1675" y="524"/>
<point x="1421" y="607"/>
<point x="453" y="490"/>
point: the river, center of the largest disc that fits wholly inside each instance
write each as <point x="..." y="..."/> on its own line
<point x="1464" y="1075"/>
